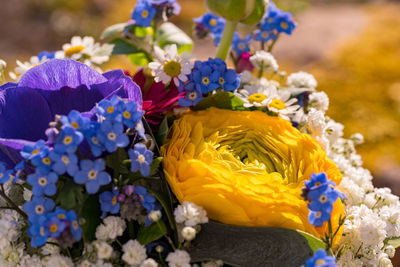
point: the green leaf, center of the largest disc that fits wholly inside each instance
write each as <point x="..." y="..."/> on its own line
<point x="393" y="241"/>
<point x="113" y="30"/>
<point x="71" y="196"/>
<point x="250" y="246"/>
<point x="168" y="33"/>
<point x="313" y="242"/>
<point x="91" y="213"/>
<point x="151" y="233"/>
<point x="139" y="59"/>
<point x="155" y="166"/>
<point x="166" y="206"/>
<point x="116" y="161"/>
<point x="162" y="132"/>
<point x="122" y="47"/>
<point x="223" y="100"/>
<point x="142" y="31"/>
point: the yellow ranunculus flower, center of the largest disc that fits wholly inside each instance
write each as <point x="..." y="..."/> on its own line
<point x="246" y="168"/>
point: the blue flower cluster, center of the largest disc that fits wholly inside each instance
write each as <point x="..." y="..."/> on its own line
<point x="321" y="259"/>
<point x="321" y="194"/>
<point x="241" y="45"/>
<point x="146" y="10"/>
<point x="209" y="24"/>
<point x="275" y="22"/>
<point x="206" y="77"/>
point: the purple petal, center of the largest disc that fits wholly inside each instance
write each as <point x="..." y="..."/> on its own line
<point x="9" y="151"/>
<point x="57" y="73"/>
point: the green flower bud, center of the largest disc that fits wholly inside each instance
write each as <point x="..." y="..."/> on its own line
<point x="233" y="10"/>
<point x="257" y="14"/>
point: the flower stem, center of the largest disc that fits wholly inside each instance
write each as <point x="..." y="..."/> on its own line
<point x="13" y="205"/>
<point x="226" y="41"/>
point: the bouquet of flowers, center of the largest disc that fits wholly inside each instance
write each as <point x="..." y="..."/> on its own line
<point x="222" y="162"/>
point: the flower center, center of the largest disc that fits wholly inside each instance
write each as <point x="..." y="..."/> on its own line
<point x="172" y="68"/>
<point x="92" y="174"/>
<point x="112" y="136"/>
<point x="61" y="216"/>
<point x="110" y="109"/>
<point x="141" y="159"/>
<point x="284" y="25"/>
<point x="265" y="34"/>
<point x="241" y="46"/>
<point x="42" y="181"/>
<point x="75" y="224"/>
<point x="74" y="50"/>
<point x="192" y="96"/>
<point x="319" y="262"/>
<point x="126" y="114"/>
<point x="277" y="104"/>
<point x="318" y="214"/>
<point x="53" y="228"/>
<point x="114" y="200"/>
<point x="213" y="22"/>
<point x="323" y="199"/>
<point x="65" y="160"/>
<point x="257" y="98"/>
<point x="34" y="152"/>
<point x="317" y="183"/>
<point x="205" y="81"/>
<point x="67" y="140"/>
<point x="95" y="140"/>
<point x="42" y="231"/>
<point x="221" y="80"/>
<point x="75" y="125"/>
<point x="39" y="209"/>
<point x="145" y="14"/>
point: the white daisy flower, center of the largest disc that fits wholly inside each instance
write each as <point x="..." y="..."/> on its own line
<point x="283" y="105"/>
<point x="24" y="67"/>
<point x="170" y="65"/>
<point x="264" y="60"/>
<point x="257" y="95"/>
<point x="86" y="50"/>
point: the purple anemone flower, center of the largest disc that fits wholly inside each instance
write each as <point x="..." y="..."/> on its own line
<point x="54" y="88"/>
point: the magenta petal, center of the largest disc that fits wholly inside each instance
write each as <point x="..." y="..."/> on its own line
<point x="57" y="73"/>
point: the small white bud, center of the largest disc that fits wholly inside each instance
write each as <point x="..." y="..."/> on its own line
<point x="390" y="251"/>
<point x="149" y="263"/>
<point x="188" y="233"/>
<point x="155" y="215"/>
<point x="159" y="249"/>
<point x="357" y="138"/>
<point x="3" y="65"/>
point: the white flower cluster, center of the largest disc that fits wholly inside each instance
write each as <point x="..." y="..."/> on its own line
<point x="84" y="50"/>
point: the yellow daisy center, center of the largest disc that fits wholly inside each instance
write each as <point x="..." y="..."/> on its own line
<point x="277" y="104"/>
<point x="172" y="68"/>
<point x="74" y="50"/>
<point x="257" y="98"/>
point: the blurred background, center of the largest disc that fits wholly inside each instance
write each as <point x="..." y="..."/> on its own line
<point x="351" y="47"/>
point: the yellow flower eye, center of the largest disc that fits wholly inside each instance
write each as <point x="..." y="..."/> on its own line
<point x="74" y="50"/>
<point x="110" y="109"/>
<point x="75" y="125"/>
<point x="277" y="104"/>
<point x="246" y="168"/>
<point x="46" y="161"/>
<point x="257" y="98"/>
<point x="172" y="68"/>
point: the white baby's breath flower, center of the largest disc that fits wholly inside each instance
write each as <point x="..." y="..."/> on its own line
<point x="357" y="138"/>
<point x="31" y="261"/>
<point x="149" y="263"/>
<point x="257" y="95"/>
<point x="348" y="260"/>
<point x="302" y="80"/>
<point x="316" y="124"/>
<point x="283" y="105"/>
<point x="190" y="214"/>
<point x="319" y="101"/>
<point x="50" y="249"/>
<point x="155" y="215"/>
<point x="111" y="228"/>
<point x="101" y="263"/>
<point x="264" y="60"/>
<point x="104" y="250"/>
<point x="333" y="131"/>
<point x="170" y="65"/>
<point x="217" y="263"/>
<point x="24" y="67"/>
<point x="59" y="261"/>
<point x="188" y="233"/>
<point x="248" y="78"/>
<point x="134" y="252"/>
<point x="178" y="258"/>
